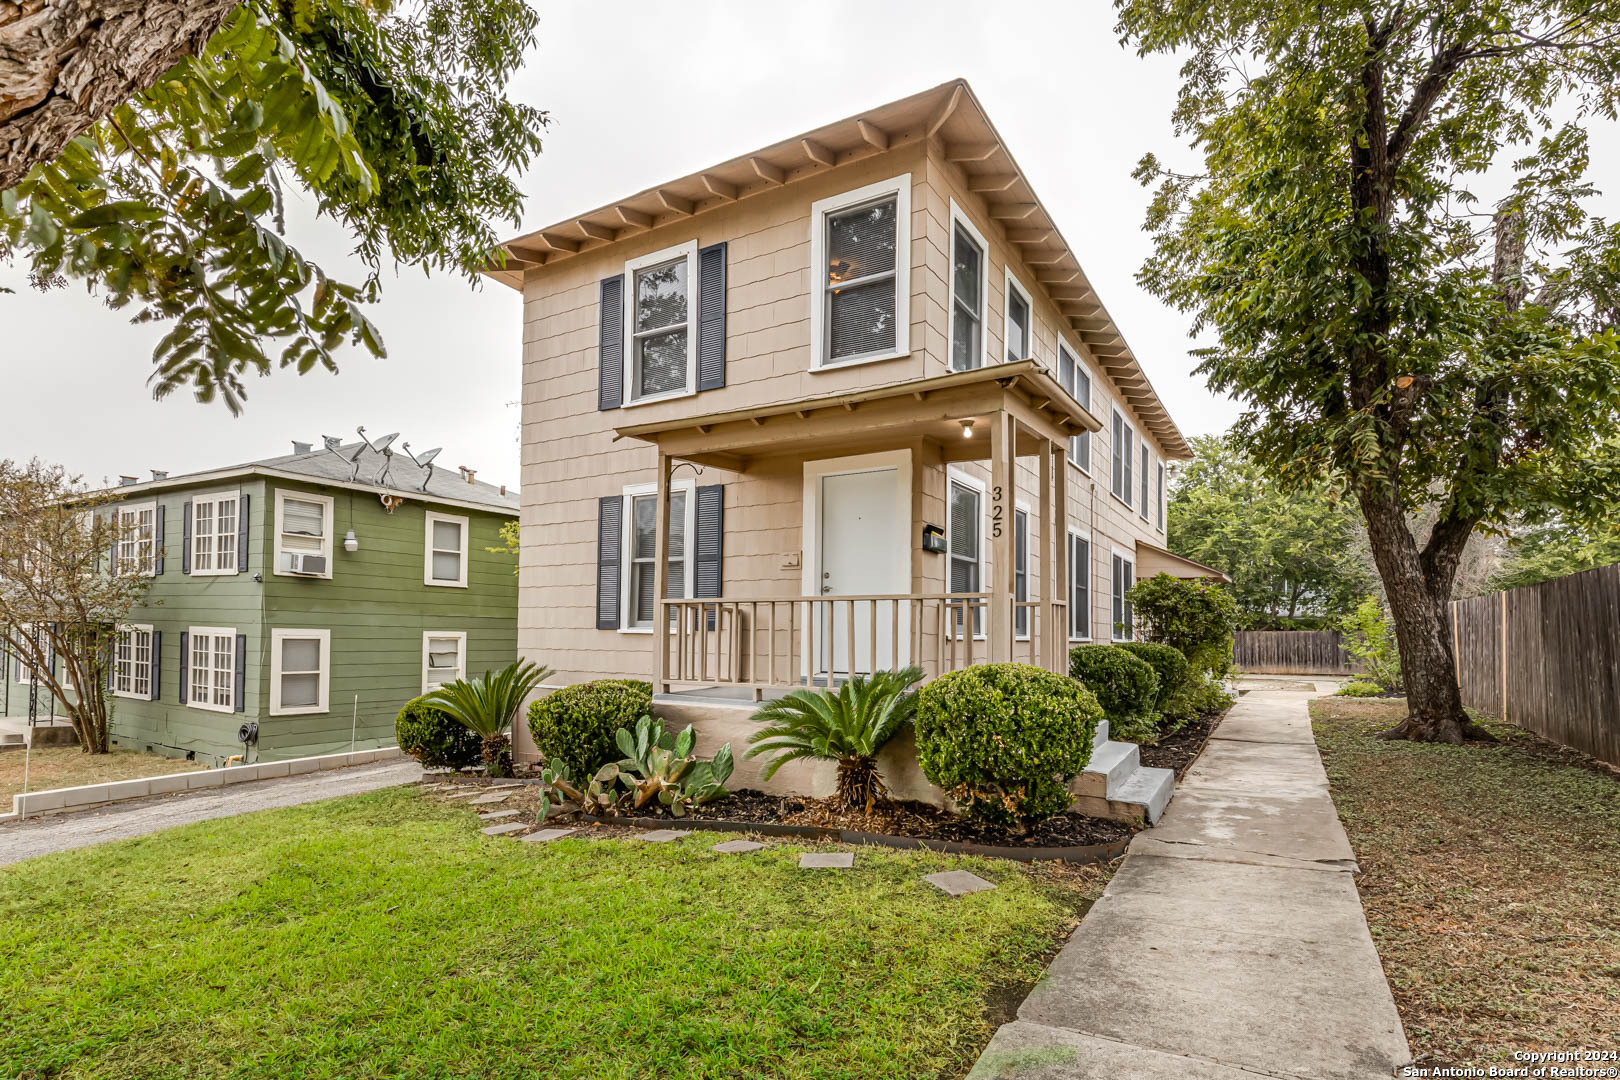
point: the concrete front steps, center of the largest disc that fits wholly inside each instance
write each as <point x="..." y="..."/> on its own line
<point x="1117" y="785"/>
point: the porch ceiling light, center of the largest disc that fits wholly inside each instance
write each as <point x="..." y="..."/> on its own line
<point x="967" y="429"/>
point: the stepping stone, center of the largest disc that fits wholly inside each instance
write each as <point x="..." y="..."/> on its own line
<point x="833" y="860"/>
<point x="462" y="795"/>
<point x="958" y="882"/>
<point x="541" y="836"/>
<point x="503" y="829"/>
<point x="734" y="847"/>
<point x="503" y="787"/>
<point x="663" y="836"/>
<point x="499" y="814"/>
<point x="486" y="800"/>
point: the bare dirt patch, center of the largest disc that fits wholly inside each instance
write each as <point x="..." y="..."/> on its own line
<point x="68" y="766"/>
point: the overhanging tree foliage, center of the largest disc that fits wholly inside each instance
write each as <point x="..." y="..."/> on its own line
<point x="1377" y="324"/>
<point x="163" y="186"/>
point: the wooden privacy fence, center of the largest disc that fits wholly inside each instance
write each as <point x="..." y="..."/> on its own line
<point x="1291" y="652"/>
<point x="1547" y="658"/>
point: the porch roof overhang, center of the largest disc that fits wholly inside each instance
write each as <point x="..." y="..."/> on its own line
<point x="879" y="418"/>
<point x="1152" y="559"/>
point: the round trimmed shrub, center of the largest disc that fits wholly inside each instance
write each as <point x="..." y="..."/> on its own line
<point x="576" y="725"/>
<point x="435" y="738"/>
<point x="1172" y="668"/>
<point x="1003" y="740"/>
<point x="1126" y="688"/>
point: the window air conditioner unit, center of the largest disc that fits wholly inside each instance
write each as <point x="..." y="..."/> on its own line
<point x="301" y="563"/>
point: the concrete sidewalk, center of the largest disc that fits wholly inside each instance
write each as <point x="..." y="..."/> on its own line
<point x="1230" y="944"/>
<point x="117" y="821"/>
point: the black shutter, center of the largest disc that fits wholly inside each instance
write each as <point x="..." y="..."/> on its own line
<point x="185" y="664"/>
<point x="711" y="350"/>
<point x="710" y="524"/>
<point x="610" y="357"/>
<point x="241" y="672"/>
<point x="609" y="522"/>
<point x="185" y="537"/>
<point x="157" y="665"/>
<point x="157" y="540"/>
<point x="242" y="502"/>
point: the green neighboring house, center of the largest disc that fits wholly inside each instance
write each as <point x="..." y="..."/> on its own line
<point x="312" y="594"/>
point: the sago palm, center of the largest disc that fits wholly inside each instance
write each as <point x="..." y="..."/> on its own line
<point x="848" y="727"/>
<point x="488" y="704"/>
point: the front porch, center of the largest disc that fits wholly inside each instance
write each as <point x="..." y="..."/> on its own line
<point x="936" y="612"/>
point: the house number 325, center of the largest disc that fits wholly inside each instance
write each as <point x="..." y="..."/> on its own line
<point x="997" y="513"/>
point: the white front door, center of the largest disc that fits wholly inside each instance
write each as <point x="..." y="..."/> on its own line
<point x="862" y="536"/>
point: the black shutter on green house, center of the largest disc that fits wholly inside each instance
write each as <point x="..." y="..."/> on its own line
<point x="242" y="503"/>
<point x="157" y="665"/>
<point x="185" y="537"/>
<point x="157" y="540"/>
<point x="609" y="523"/>
<point x="711" y="350"/>
<point x="241" y="673"/>
<point x="610" y="354"/>
<point x="184" y="664"/>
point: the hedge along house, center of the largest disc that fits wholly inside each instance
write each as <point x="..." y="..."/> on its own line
<point x="842" y="404"/>
<point x="312" y="594"/>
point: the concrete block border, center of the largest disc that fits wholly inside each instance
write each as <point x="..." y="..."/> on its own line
<point x="74" y="798"/>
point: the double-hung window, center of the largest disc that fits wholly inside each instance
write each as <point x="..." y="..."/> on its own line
<point x="132" y="663"/>
<point x="660" y="331"/>
<point x="1079" y="587"/>
<point x="860" y="259"/>
<point x="969" y="281"/>
<point x="1159" y="502"/>
<point x="1019" y="330"/>
<point x="1145" y="507"/>
<point x="639" y="604"/>
<point x="303" y="534"/>
<point x="964" y="530"/>
<point x="300" y="671"/>
<point x="211" y="668"/>
<point x="1124" y="578"/>
<point x="1120" y="483"/>
<point x="1021" y="572"/>
<point x="1076" y="380"/>
<point x="446" y="544"/>
<point x="444" y="657"/>
<point x="137" y="539"/>
<point x="214" y="528"/>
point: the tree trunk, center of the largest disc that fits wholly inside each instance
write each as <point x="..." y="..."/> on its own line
<point x="1422" y="631"/>
<point x="65" y="64"/>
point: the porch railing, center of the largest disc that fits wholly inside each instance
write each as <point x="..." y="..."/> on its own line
<point x="780" y="642"/>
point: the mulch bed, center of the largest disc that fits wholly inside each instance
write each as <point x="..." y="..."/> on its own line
<point x="1180" y="750"/>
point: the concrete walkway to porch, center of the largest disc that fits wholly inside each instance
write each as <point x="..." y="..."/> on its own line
<point x="1230" y="944"/>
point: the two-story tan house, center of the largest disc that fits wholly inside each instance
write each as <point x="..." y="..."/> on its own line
<point x="841" y="404"/>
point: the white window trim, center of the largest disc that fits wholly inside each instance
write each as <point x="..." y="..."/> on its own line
<point x="1164" y="502"/>
<point x="900" y="187"/>
<point x="191" y="682"/>
<point x="460" y="637"/>
<point x="118" y="549"/>
<point x="627" y="539"/>
<point x="959" y="217"/>
<point x="1145" y="488"/>
<point x="18" y="665"/>
<point x="1113" y="623"/>
<point x="1091" y="585"/>
<point x="1009" y="285"/>
<point x="1113" y="448"/>
<point x="214" y="497"/>
<point x="690" y="251"/>
<point x="328" y="523"/>
<point x="1079" y="366"/>
<point x="133" y="628"/>
<point x="428" y="550"/>
<point x="969" y="480"/>
<point x="1029" y="548"/>
<point x="323" y="701"/>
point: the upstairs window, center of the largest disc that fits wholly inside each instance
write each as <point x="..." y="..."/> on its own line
<point x="1159" y="502"/>
<point x="446" y="550"/>
<point x="214" y="526"/>
<point x="860" y="248"/>
<point x="303" y="534"/>
<point x="1076" y="380"/>
<point x="137" y="539"/>
<point x="968" y="280"/>
<point x="1120" y="482"/>
<point x="659" y="332"/>
<point x="1147" y="456"/>
<point x="1019" y="335"/>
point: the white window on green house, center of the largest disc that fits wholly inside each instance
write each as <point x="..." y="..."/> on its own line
<point x="300" y="671"/>
<point x="446" y="550"/>
<point x="132" y="663"/>
<point x="1079" y="587"/>
<point x="444" y="658"/>
<point x="1124" y="578"/>
<point x="136" y="550"/>
<point x="214" y="525"/>
<point x="211" y="668"/>
<point x="303" y="534"/>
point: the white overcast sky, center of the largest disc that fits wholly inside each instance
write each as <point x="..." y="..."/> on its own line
<point x="638" y="93"/>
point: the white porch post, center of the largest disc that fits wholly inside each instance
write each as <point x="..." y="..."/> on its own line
<point x="1060" y="566"/>
<point x="1001" y="537"/>
<point x="1042" y="624"/>
<point x="660" y="588"/>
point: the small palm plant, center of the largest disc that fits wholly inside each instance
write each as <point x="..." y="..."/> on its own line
<point x="849" y="727"/>
<point x="488" y="704"/>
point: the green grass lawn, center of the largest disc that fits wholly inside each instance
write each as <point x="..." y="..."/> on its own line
<point x="382" y="936"/>
<point x="1490" y="883"/>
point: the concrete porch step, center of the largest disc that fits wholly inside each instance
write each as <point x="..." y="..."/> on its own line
<point x="1116" y="785"/>
<point x="1111" y="762"/>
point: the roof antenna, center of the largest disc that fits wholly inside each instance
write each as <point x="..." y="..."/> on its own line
<point x="378" y="447"/>
<point x="424" y="462"/>
<point x="334" y="445"/>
